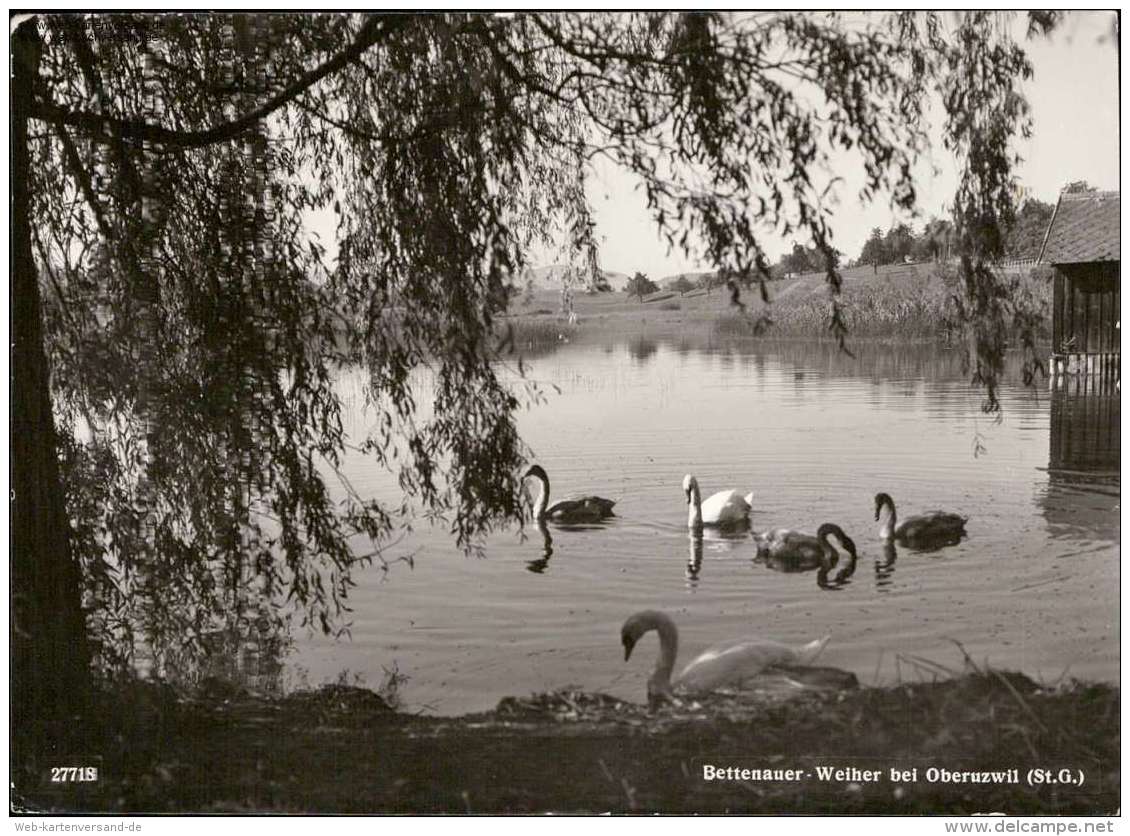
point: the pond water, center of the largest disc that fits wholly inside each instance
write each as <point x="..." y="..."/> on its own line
<point x="814" y="434"/>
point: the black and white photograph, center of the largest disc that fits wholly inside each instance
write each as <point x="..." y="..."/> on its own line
<point x="564" y="412"/>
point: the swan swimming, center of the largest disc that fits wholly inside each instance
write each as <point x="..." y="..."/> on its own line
<point x="725" y="508"/>
<point x="934" y="528"/>
<point x="582" y="509"/>
<point x="801" y="552"/>
<point x="724" y="664"/>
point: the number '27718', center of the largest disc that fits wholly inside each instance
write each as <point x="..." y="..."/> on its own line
<point x="69" y="774"/>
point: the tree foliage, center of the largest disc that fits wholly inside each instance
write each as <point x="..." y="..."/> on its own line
<point x="640" y="285"/>
<point x="808" y="260"/>
<point x="1022" y="238"/>
<point x="195" y="326"/>
<point x="680" y="284"/>
<point x="1025" y="236"/>
<point x="599" y="284"/>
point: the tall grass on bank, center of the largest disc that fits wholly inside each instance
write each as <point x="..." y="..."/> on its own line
<point x="913" y="308"/>
<point x="531" y="337"/>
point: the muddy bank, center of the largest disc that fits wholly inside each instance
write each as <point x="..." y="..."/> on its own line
<point x="342" y="750"/>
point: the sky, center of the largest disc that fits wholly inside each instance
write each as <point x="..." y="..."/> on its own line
<point x="1074" y="97"/>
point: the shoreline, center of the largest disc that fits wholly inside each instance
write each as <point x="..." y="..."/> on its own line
<point x="881" y="310"/>
<point x="341" y="749"/>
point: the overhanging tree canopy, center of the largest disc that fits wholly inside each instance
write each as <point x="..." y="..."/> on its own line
<point x="193" y="325"/>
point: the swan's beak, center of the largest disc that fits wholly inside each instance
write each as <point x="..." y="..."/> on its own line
<point x="878" y="508"/>
<point x="628" y="645"/>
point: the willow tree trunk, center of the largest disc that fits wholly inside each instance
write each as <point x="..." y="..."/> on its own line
<point x="50" y="663"/>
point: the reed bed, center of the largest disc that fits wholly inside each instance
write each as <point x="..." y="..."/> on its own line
<point x="531" y="337"/>
<point x="918" y="307"/>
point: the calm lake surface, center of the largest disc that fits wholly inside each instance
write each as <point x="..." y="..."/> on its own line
<point x="814" y="434"/>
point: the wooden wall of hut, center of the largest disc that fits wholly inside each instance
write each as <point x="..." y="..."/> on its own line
<point x="1085" y="309"/>
<point x="1086" y="302"/>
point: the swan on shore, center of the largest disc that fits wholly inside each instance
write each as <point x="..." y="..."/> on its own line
<point x="934" y="528"/>
<point x="729" y="663"/>
<point x="581" y="509"/>
<point x="725" y="508"/>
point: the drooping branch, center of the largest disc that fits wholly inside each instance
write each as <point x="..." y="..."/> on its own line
<point x="373" y="30"/>
<point x="82" y="177"/>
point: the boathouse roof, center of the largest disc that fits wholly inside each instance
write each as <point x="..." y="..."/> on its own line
<point x="1083" y="228"/>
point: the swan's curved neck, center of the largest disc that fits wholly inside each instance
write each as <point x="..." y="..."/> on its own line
<point x="660" y="681"/>
<point x="694" y="513"/>
<point x="543" y="496"/>
<point x="887" y="519"/>
<point x="829" y="557"/>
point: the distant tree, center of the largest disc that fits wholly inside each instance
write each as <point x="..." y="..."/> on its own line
<point x="680" y="284"/>
<point x="899" y="243"/>
<point x="599" y="284"/>
<point x="874" y="251"/>
<point x="799" y="260"/>
<point x="1025" y="235"/>
<point x="1078" y="187"/>
<point x="809" y="259"/>
<point x="936" y="241"/>
<point x="640" y="285"/>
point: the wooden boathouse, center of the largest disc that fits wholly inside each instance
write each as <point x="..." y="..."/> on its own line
<point x="1082" y="245"/>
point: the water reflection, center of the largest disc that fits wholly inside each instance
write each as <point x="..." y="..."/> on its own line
<point x="721" y="539"/>
<point x="542" y="563"/>
<point x="885" y="568"/>
<point x="791" y="564"/>
<point x="694" y="564"/>
<point x="642" y="348"/>
<point x="871" y="360"/>
<point x="1085" y="431"/>
<point x="1085" y="446"/>
<point x="815" y="433"/>
<point x="828" y="582"/>
<point x="823" y="564"/>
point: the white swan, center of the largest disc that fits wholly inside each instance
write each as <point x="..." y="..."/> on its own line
<point x="724" y="664"/>
<point x="934" y="528"/>
<point x="582" y="509"/>
<point x="725" y="508"/>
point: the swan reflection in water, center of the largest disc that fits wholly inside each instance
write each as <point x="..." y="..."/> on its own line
<point x="885" y="568"/>
<point x="720" y="539"/>
<point x="694" y="563"/>
<point x="542" y="563"/>
<point x="829" y="582"/>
